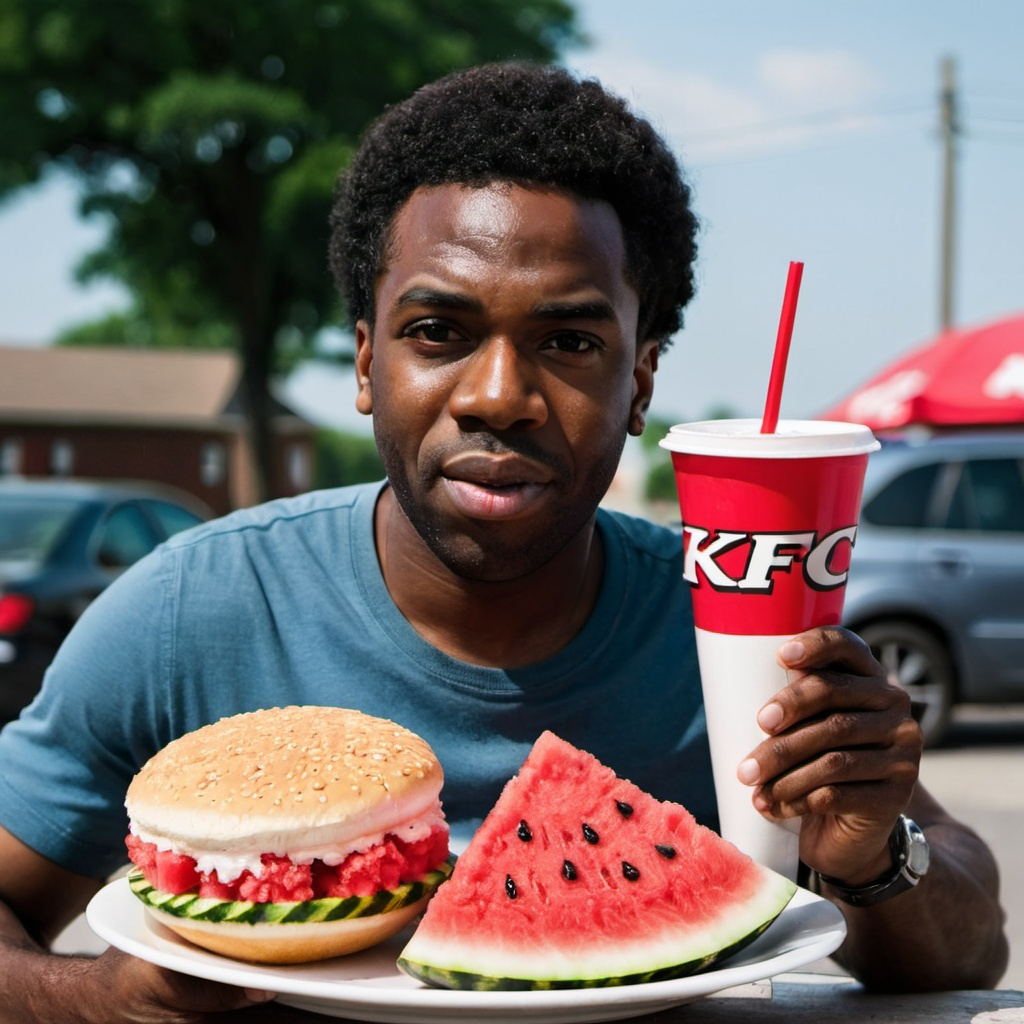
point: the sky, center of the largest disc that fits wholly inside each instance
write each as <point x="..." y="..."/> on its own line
<point x="809" y="130"/>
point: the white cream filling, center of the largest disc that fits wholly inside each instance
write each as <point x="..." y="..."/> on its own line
<point x="301" y="846"/>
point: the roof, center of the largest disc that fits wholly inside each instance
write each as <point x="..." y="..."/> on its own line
<point x="116" y="385"/>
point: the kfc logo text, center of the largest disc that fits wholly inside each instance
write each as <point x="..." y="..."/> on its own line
<point x="753" y="559"/>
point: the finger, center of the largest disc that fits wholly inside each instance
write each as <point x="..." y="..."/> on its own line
<point x="829" y="647"/>
<point x="826" y="691"/>
<point x="834" y="783"/>
<point x="839" y="735"/>
<point x="864" y="801"/>
<point x="146" y="987"/>
<point x="186" y="992"/>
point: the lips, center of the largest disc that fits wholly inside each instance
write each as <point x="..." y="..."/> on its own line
<point x="485" y="486"/>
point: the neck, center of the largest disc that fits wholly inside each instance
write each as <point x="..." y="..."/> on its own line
<point x="497" y="624"/>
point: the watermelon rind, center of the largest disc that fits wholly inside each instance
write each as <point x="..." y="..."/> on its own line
<point x="441" y="978"/>
<point x="192" y="907"/>
<point x="452" y="965"/>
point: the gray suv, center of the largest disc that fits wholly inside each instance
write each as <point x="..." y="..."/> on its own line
<point x="936" y="587"/>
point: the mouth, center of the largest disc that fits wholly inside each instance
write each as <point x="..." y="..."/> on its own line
<point x="495" y="487"/>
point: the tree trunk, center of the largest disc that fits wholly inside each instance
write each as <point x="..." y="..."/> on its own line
<point x="256" y="358"/>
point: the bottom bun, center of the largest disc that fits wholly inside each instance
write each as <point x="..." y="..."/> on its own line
<point x="291" y="943"/>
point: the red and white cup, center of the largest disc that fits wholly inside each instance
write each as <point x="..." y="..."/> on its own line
<point x="769" y="522"/>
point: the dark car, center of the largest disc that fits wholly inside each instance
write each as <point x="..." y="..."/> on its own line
<point x="936" y="587"/>
<point x="61" y="543"/>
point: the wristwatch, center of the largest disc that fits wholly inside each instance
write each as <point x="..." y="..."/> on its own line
<point x="910" y="862"/>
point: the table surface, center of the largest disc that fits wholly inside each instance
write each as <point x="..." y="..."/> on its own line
<point x="802" y="1000"/>
<point x="790" y="999"/>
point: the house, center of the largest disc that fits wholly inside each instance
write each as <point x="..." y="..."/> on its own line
<point x="172" y="416"/>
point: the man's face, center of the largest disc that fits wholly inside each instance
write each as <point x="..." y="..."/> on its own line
<point x="502" y="371"/>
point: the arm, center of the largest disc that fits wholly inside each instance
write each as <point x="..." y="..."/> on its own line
<point x="843" y="753"/>
<point x="944" y="933"/>
<point x="37" y="900"/>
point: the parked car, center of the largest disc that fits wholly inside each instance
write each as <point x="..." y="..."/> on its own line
<point x="936" y="585"/>
<point x="61" y="543"/>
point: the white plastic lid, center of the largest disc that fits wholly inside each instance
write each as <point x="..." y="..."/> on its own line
<point x="793" y="439"/>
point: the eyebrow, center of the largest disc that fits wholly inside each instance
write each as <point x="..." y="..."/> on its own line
<point x="436" y="297"/>
<point x="598" y="309"/>
<point x="594" y="310"/>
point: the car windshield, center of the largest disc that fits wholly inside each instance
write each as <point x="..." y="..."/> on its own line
<point x="30" y="527"/>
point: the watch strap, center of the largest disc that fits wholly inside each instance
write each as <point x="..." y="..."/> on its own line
<point x="909" y="850"/>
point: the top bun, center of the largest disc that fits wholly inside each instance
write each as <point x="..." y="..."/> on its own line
<point x="246" y="782"/>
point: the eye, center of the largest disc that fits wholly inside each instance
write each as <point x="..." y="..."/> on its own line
<point x="434" y="331"/>
<point x="574" y="343"/>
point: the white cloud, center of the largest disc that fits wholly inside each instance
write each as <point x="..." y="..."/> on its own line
<point x="819" y="77"/>
<point x="709" y="120"/>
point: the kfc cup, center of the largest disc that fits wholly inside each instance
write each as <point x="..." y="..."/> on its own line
<point x="769" y="521"/>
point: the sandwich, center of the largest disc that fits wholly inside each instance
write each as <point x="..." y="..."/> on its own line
<point x="288" y="835"/>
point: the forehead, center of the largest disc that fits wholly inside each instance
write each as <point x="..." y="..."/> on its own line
<point x="453" y="227"/>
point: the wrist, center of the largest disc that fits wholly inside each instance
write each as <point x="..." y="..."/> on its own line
<point x="908" y="862"/>
<point x="866" y="871"/>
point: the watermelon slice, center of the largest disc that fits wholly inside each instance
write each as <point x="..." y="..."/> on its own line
<point x="579" y="878"/>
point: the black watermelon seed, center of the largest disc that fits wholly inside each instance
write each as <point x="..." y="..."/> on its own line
<point x="589" y="834"/>
<point x="569" y="870"/>
<point x="510" y="887"/>
<point x="630" y="873"/>
<point x="624" y="809"/>
<point x="524" y="832"/>
<point x="668" y="852"/>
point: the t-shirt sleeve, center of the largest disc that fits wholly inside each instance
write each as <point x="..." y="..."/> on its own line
<point x="65" y="764"/>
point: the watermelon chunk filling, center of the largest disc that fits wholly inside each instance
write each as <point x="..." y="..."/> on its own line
<point x="383" y="866"/>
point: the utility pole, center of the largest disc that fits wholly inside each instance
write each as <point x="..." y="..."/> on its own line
<point x="950" y="128"/>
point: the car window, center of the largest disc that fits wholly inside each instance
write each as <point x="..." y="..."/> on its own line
<point x="29" y="529"/>
<point x="124" y="537"/>
<point x="905" y="500"/>
<point x="989" y="496"/>
<point x="173" y="518"/>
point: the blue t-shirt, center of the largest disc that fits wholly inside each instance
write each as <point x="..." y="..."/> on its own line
<point x="285" y="604"/>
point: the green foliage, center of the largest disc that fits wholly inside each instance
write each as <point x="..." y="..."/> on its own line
<point x="209" y="134"/>
<point x="660" y="483"/>
<point x="345" y="458"/>
<point x="655" y="430"/>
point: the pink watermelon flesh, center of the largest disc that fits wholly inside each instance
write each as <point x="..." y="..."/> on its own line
<point x="578" y="878"/>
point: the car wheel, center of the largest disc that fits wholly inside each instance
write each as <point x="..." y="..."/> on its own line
<point x="916" y="659"/>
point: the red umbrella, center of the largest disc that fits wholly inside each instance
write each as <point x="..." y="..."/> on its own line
<point x="967" y="377"/>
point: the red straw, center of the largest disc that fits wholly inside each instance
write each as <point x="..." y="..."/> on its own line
<point x="782" y="340"/>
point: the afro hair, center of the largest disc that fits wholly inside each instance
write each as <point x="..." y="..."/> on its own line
<point x="533" y="125"/>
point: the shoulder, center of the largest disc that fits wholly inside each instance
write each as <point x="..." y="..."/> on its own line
<point x="308" y="510"/>
<point x="641" y="538"/>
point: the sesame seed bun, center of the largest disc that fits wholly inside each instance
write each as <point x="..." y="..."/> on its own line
<point x="245" y="782"/>
<point x="302" y="782"/>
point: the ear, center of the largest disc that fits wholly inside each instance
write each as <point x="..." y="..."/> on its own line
<point x="364" y="363"/>
<point x="643" y="385"/>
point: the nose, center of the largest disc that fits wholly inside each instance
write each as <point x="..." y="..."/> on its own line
<point x="498" y="389"/>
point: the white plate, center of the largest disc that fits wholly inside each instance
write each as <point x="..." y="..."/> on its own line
<point x="369" y="986"/>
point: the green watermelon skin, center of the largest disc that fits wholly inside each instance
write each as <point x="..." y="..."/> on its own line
<point x="650" y="894"/>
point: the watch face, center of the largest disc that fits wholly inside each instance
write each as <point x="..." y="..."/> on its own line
<point x="918" y="856"/>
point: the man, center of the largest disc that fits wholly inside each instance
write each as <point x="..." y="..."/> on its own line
<point x="515" y="249"/>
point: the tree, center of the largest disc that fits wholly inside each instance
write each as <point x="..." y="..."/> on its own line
<point x="346" y="458"/>
<point x="210" y="134"/>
